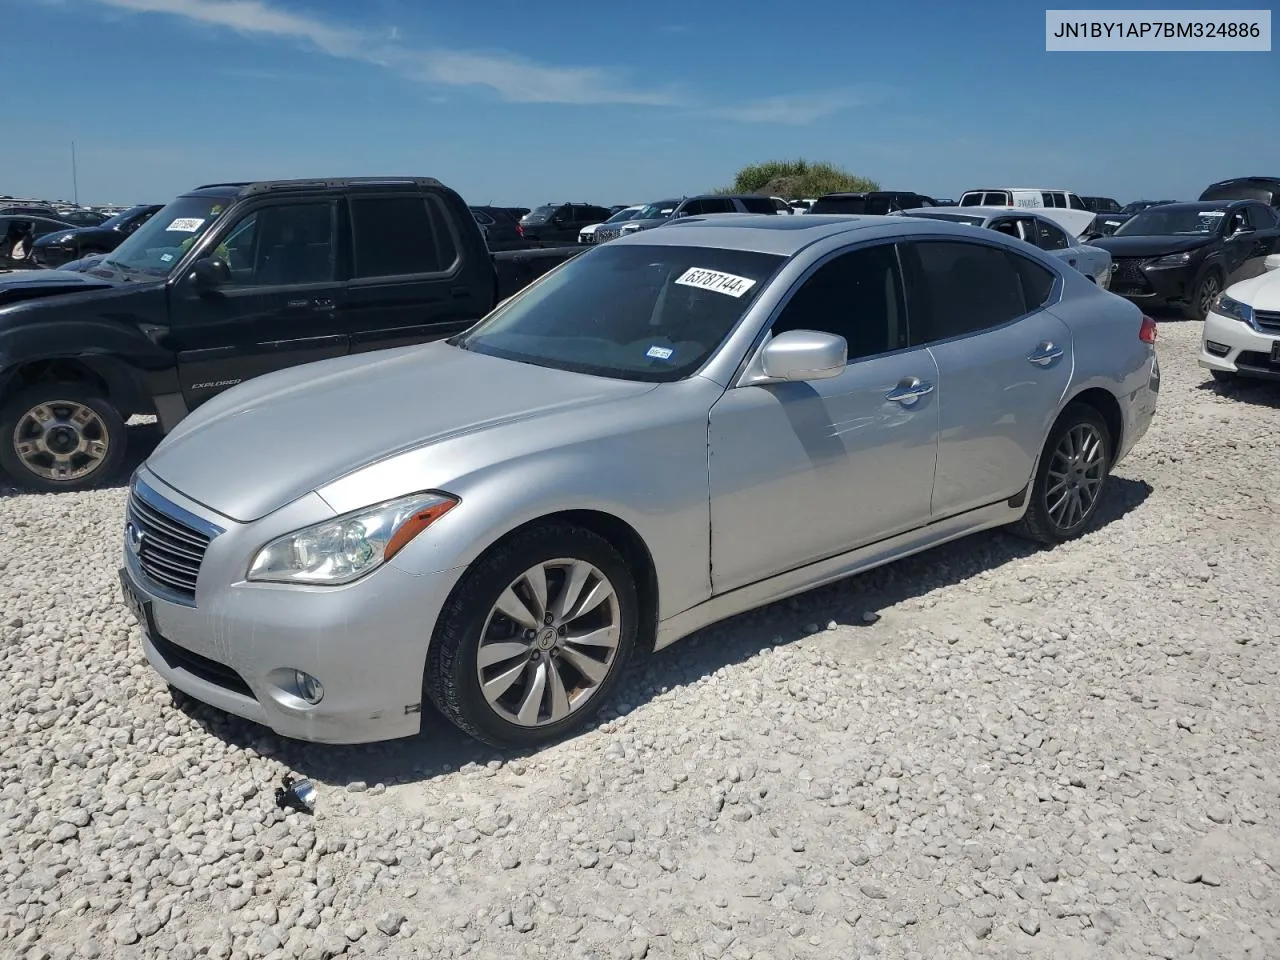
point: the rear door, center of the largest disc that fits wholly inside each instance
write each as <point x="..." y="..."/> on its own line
<point x="279" y="309"/>
<point x="410" y="281"/>
<point x="1004" y="363"/>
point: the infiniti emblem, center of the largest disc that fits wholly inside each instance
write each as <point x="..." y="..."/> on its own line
<point x="133" y="537"/>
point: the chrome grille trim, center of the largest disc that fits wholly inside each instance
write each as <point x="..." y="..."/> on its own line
<point x="1267" y="319"/>
<point x="172" y="543"/>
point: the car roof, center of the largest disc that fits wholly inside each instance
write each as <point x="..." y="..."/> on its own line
<point x="1209" y="204"/>
<point x="784" y="236"/>
<point x="246" y="188"/>
<point x="1019" y="189"/>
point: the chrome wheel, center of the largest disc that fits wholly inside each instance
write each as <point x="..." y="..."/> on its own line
<point x="549" y="642"/>
<point x="1209" y="291"/>
<point x="61" y="440"/>
<point x="1077" y="469"/>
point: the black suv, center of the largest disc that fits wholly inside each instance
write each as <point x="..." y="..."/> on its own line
<point x="871" y="203"/>
<point x="228" y="282"/>
<point x="561" y="221"/>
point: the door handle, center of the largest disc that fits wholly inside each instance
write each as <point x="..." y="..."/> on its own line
<point x="909" y="390"/>
<point x="1045" y="354"/>
<point x="323" y="303"/>
<point x="1071" y="260"/>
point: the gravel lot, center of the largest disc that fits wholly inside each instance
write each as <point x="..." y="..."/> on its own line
<point x="1065" y="753"/>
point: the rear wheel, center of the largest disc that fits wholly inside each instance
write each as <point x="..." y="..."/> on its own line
<point x="59" y="437"/>
<point x="1202" y="300"/>
<point x="1070" y="479"/>
<point x="534" y="637"/>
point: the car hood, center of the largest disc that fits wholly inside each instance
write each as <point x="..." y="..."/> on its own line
<point x="1261" y="292"/>
<point x="1150" y="246"/>
<point x="17" y="285"/>
<point x="275" y="438"/>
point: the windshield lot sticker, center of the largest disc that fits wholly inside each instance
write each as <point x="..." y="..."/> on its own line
<point x="659" y="353"/>
<point x="186" y="224"/>
<point x="166" y="257"/>
<point x="715" y="280"/>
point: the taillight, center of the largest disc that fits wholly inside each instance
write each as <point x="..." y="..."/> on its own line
<point x="1147" y="332"/>
<point x="520" y="229"/>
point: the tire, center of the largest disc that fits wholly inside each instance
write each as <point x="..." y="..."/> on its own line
<point x="32" y="455"/>
<point x="452" y="678"/>
<point x="1207" y="291"/>
<point x="1043" y="521"/>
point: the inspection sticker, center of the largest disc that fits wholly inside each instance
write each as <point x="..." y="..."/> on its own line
<point x="659" y="353"/>
<point x="705" y="279"/>
<point x="186" y="224"/>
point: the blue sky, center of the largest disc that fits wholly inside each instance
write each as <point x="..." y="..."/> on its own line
<point x="515" y="102"/>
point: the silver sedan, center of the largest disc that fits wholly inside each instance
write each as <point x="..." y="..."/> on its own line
<point x="663" y="432"/>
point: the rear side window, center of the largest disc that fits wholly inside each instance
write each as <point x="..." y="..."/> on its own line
<point x="958" y="288"/>
<point x="842" y="205"/>
<point x="1049" y="237"/>
<point x="1262" y="216"/>
<point x="395" y="236"/>
<point x="759" y="205"/>
<point x="1037" y="282"/>
<point x="718" y="205"/>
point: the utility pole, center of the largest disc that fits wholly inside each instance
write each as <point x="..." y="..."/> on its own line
<point x="75" y="183"/>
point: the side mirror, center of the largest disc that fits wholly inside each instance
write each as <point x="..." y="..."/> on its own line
<point x="1272" y="262"/>
<point x="804" y="355"/>
<point x="210" y="273"/>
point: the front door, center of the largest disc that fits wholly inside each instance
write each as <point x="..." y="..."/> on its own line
<point x="805" y="471"/>
<point x="279" y="308"/>
<point x="1004" y="364"/>
<point x="409" y="283"/>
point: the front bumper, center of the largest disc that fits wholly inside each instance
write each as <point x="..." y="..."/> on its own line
<point x="236" y="645"/>
<point x="1139" y="281"/>
<point x="1248" y="351"/>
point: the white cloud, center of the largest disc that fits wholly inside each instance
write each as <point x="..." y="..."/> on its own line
<point x="514" y="78"/>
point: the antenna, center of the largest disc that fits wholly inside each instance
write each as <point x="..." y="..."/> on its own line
<point x="75" y="183"/>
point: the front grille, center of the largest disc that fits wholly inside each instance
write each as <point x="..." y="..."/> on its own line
<point x="169" y="551"/>
<point x="1127" y="274"/>
<point x="1257" y="360"/>
<point x="207" y="670"/>
<point x="604" y="236"/>
<point x="1267" y="319"/>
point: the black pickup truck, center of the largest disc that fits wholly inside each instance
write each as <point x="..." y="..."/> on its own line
<point x="227" y="282"/>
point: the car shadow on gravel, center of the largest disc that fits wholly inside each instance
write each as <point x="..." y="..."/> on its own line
<point x="440" y="748"/>
<point x="1261" y="393"/>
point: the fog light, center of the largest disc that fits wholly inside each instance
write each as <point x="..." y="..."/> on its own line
<point x="1217" y="349"/>
<point x="309" y="688"/>
<point x="298" y="794"/>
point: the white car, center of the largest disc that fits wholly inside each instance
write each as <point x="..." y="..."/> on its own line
<point x="1035" y="228"/>
<point x="1061" y="206"/>
<point x="1241" y="335"/>
<point x="588" y="233"/>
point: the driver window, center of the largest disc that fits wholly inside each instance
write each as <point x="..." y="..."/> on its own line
<point x="281" y="246"/>
<point x="857" y="296"/>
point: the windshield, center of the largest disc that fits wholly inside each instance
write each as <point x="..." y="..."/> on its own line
<point x="1166" y="221"/>
<point x="628" y="214"/>
<point x="157" y="246"/>
<point x="657" y="211"/>
<point x="650" y="313"/>
<point x="120" y="219"/>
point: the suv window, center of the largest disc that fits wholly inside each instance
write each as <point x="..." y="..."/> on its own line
<point x="395" y="236"/>
<point x="1263" y="216"/>
<point x="718" y="205"/>
<point x="841" y="205"/>
<point x="958" y="288"/>
<point x="1075" y="203"/>
<point x="759" y="205"/>
<point x="1049" y="237"/>
<point x="281" y="245"/>
<point x="858" y="296"/>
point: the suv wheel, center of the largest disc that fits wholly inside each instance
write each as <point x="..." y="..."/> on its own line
<point x="60" y="437"/>
<point x="1070" y="478"/>
<point x="534" y="637"/>
<point x="1206" y="293"/>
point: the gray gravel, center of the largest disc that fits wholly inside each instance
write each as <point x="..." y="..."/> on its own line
<point x="987" y="751"/>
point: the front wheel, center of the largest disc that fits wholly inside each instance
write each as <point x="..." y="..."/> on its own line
<point x="534" y="637"/>
<point x="1206" y="293"/>
<point x="1070" y="478"/>
<point x="60" y="437"/>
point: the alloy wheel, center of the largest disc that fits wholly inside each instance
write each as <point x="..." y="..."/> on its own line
<point x="61" y="440"/>
<point x="1077" y="470"/>
<point x="549" y="642"/>
<point x="1208" y="294"/>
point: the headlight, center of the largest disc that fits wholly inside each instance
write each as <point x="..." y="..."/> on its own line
<point x="1227" y="307"/>
<point x="630" y="228"/>
<point x="1172" y="260"/>
<point x="345" y="548"/>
